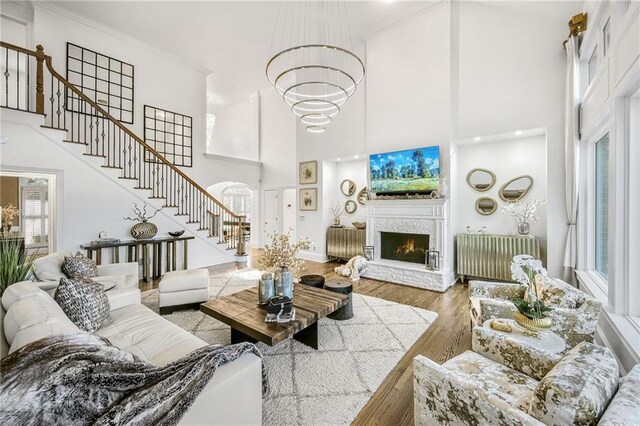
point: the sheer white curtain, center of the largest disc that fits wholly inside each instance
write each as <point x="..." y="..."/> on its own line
<point x="572" y="139"/>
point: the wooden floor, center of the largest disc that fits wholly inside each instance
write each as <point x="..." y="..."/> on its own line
<point x="448" y="336"/>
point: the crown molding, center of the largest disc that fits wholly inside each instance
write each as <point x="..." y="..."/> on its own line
<point x="47" y="7"/>
<point x="389" y="24"/>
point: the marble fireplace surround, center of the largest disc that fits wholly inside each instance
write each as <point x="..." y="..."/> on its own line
<point x="417" y="217"/>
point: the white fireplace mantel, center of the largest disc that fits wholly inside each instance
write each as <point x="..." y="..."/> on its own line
<point x="421" y="216"/>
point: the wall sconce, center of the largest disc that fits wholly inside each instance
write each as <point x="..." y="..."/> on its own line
<point x="433" y="260"/>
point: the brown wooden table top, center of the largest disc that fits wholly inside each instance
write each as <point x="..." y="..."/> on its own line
<point x="242" y="312"/>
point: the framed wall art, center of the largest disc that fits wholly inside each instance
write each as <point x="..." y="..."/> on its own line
<point x="308" y="200"/>
<point x="169" y="133"/>
<point x="308" y="173"/>
<point x="106" y="81"/>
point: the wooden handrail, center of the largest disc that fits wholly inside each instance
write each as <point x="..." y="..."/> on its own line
<point x="42" y="58"/>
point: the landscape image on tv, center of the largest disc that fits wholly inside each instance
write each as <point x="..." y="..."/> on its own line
<point x="412" y="170"/>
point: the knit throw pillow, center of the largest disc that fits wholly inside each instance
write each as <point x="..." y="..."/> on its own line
<point x="84" y="302"/>
<point x="79" y="266"/>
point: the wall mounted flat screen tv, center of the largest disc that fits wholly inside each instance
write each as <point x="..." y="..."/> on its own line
<point x="408" y="171"/>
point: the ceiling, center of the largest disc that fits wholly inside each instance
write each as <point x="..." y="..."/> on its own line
<point x="231" y="39"/>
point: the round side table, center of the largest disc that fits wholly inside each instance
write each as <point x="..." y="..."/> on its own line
<point x="342" y="287"/>
<point x="316" y="281"/>
<point x="546" y="339"/>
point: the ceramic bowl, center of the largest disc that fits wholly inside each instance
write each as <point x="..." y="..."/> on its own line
<point x="176" y="233"/>
<point x="359" y="225"/>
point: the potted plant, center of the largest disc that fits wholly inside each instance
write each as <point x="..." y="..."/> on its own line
<point x="280" y="256"/>
<point x="532" y="312"/>
<point x="523" y="213"/>
<point x="15" y="263"/>
<point x="144" y="230"/>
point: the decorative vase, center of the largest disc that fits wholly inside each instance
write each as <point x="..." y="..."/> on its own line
<point x="144" y="230"/>
<point x="523" y="228"/>
<point x="284" y="282"/>
<point x="266" y="288"/>
<point x="336" y="221"/>
<point x="531" y="323"/>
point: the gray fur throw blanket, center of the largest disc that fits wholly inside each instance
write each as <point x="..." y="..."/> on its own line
<point x="82" y="379"/>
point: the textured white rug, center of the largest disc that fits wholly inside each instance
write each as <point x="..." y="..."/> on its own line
<point x="328" y="386"/>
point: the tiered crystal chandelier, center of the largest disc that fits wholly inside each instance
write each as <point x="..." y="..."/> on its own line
<point x="314" y="68"/>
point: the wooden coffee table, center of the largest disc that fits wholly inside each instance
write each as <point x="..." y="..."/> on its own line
<point x="246" y="318"/>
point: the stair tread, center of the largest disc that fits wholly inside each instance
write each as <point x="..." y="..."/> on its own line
<point x="53" y="128"/>
<point x="111" y="167"/>
<point x="75" y="142"/>
<point x="95" y="155"/>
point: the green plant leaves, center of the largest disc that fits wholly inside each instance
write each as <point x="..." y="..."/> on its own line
<point x="535" y="310"/>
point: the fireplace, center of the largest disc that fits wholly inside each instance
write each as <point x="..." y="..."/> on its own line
<point x="404" y="247"/>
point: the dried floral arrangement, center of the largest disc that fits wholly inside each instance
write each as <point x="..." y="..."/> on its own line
<point x="9" y="212"/>
<point x="523" y="213"/>
<point x="337" y="211"/>
<point x="281" y="252"/>
<point x="140" y="215"/>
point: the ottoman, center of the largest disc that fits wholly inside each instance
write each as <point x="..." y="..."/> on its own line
<point x="183" y="289"/>
<point x="316" y="281"/>
<point x="342" y="287"/>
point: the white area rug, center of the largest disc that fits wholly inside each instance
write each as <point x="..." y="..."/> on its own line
<point x="328" y="386"/>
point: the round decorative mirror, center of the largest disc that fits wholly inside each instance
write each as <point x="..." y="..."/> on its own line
<point x="481" y="180"/>
<point x="486" y="206"/>
<point x="350" y="207"/>
<point x="362" y="196"/>
<point x="348" y="187"/>
<point x="516" y="188"/>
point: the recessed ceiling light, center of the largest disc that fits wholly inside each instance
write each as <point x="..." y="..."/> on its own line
<point x="355" y="156"/>
<point x="477" y="138"/>
<point x="518" y="132"/>
<point x="338" y="159"/>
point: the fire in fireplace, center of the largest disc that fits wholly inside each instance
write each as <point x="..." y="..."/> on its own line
<point x="404" y="247"/>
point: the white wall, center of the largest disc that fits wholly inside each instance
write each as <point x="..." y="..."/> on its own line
<point x="510" y="66"/>
<point x="236" y="132"/>
<point x="91" y="198"/>
<point x="507" y="159"/>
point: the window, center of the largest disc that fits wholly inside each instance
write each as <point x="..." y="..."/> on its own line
<point x="601" y="216"/>
<point x="592" y="65"/>
<point x="238" y="199"/>
<point x="35" y="212"/>
<point x="606" y="32"/>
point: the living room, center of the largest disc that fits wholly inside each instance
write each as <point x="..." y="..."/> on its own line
<point x="206" y="162"/>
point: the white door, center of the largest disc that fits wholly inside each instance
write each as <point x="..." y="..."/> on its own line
<point x="271" y="212"/>
<point x="289" y="210"/>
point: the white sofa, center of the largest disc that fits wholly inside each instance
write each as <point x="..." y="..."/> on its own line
<point x="232" y="397"/>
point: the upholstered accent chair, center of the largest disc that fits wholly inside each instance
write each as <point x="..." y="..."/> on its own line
<point x="506" y="384"/>
<point x="574" y="317"/>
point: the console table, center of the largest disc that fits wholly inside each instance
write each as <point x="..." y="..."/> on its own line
<point x="345" y="243"/>
<point x="489" y="256"/>
<point x="151" y="251"/>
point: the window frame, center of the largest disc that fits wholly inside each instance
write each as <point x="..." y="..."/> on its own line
<point x="44" y="216"/>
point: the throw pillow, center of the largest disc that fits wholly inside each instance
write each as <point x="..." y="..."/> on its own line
<point x="578" y="389"/>
<point x="79" y="266"/>
<point x="84" y="302"/>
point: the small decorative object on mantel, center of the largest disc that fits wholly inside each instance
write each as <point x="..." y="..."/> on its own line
<point x="433" y="260"/>
<point x="368" y="252"/>
<point x="336" y="210"/>
<point x="523" y="214"/>
<point x="532" y="313"/>
<point x="144" y="230"/>
<point x="176" y="233"/>
<point x="9" y="212"/>
<point x="280" y="256"/>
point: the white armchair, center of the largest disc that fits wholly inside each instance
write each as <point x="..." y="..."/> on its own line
<point x="48" y="271"/>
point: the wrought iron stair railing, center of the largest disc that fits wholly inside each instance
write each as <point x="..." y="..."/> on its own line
<point x="105" y="137"/>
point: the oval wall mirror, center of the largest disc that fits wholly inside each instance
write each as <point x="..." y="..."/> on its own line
<point x="486" y="206"/>
<point x="350" y="207"/>
<point x="481" y="179"/>
<point x="362" y="196"/>
<point x="348" y="187"/>
<point x="516" y="188"/>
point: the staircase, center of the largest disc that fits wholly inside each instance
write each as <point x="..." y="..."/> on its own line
<point x="102" y="136"/>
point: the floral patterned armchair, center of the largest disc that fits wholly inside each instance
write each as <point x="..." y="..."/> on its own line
<point x="506" y="384"/>
<point x="574" y="316"/>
